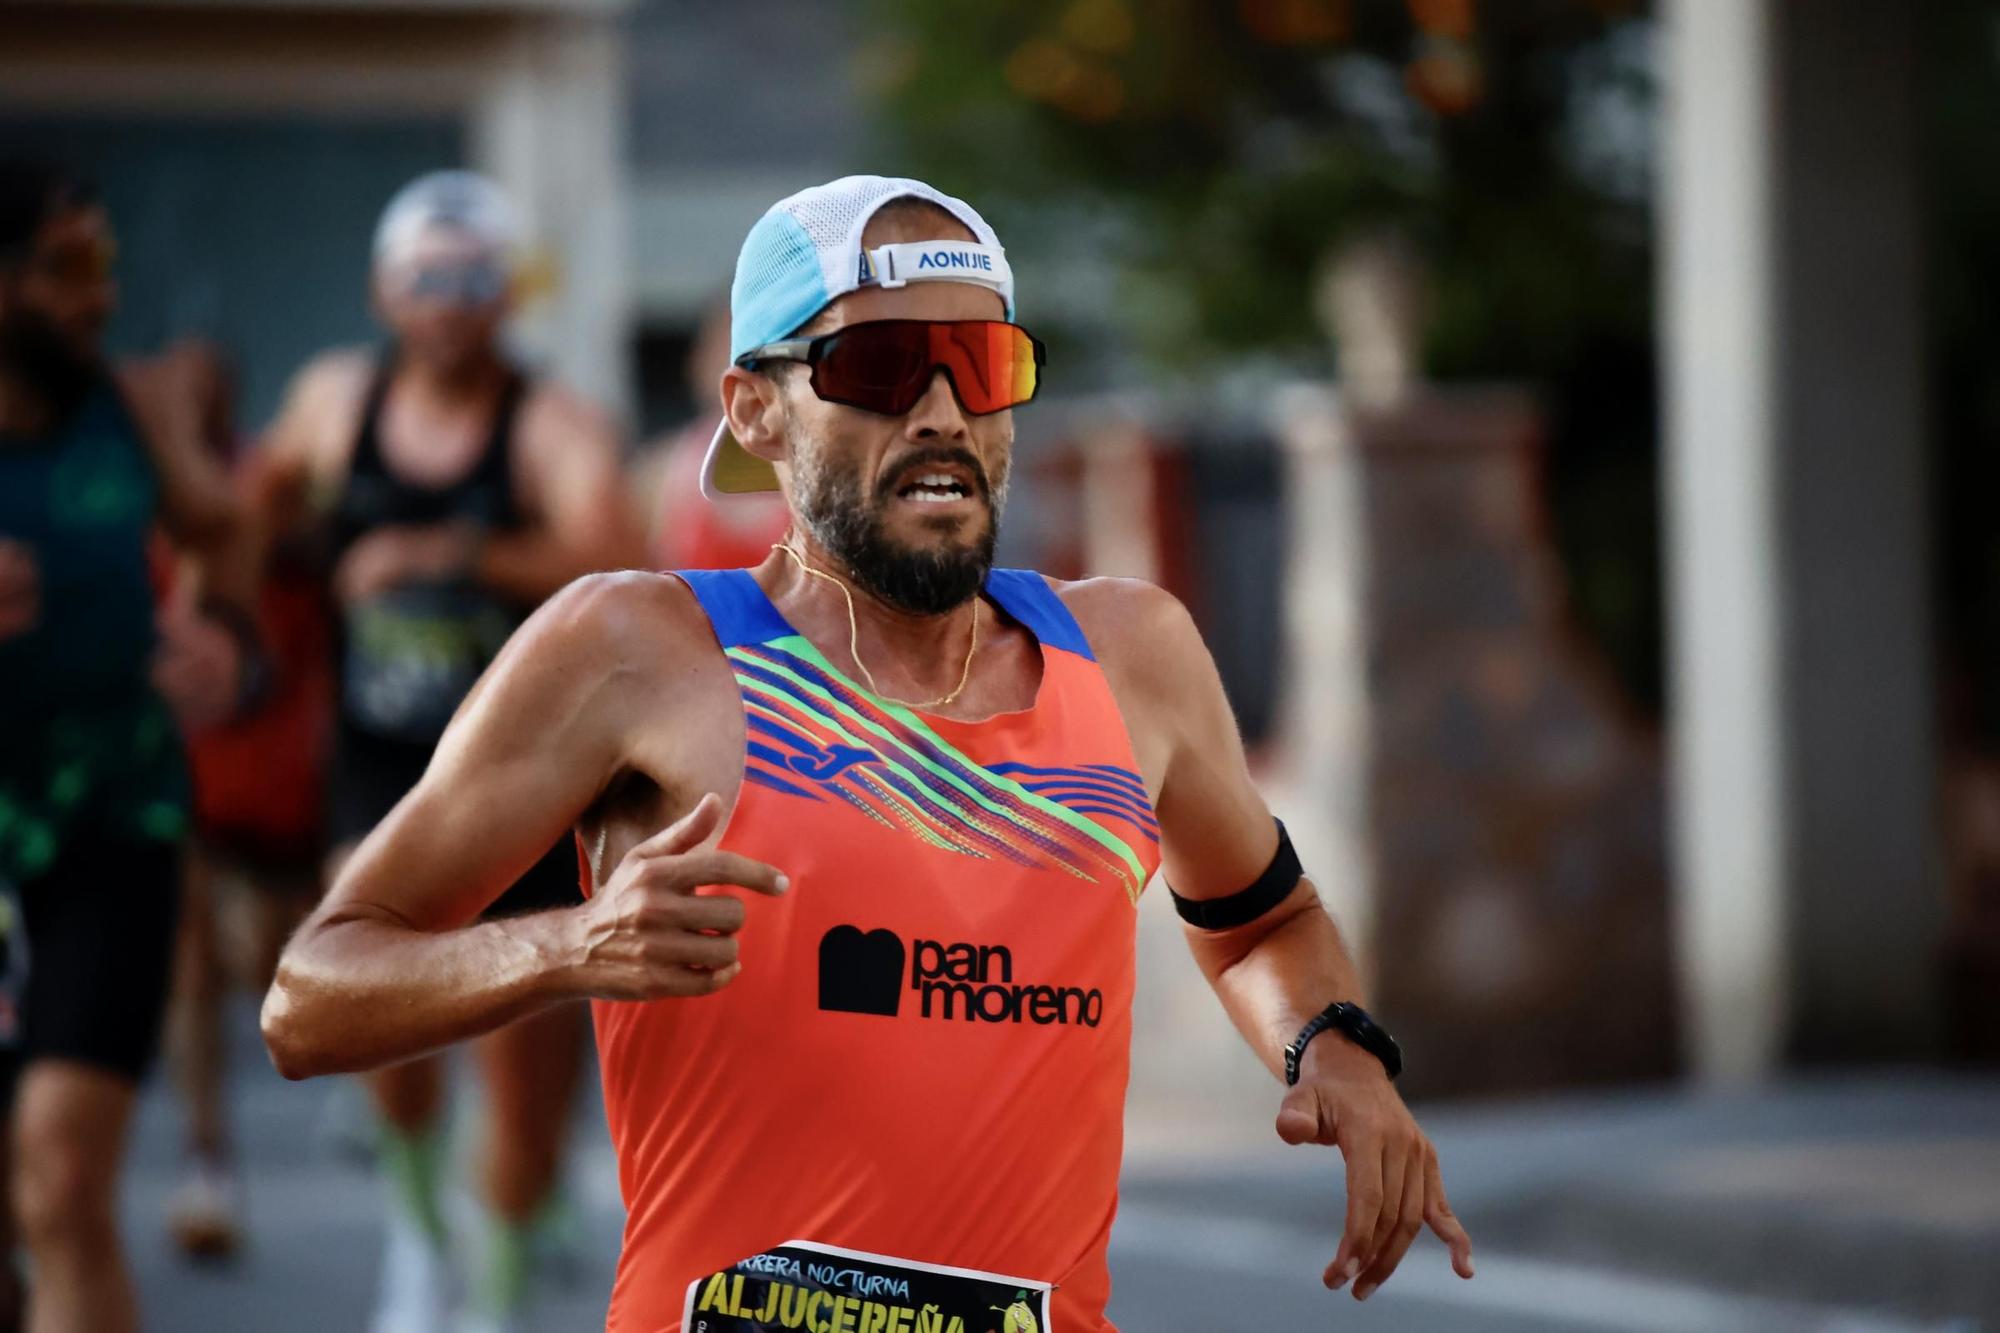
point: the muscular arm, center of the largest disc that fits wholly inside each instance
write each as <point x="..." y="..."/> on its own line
<point x="388" y="966"/>
<point x="569" y="473"/>
<point x="1274" y="973"/>
<point x="1217" y="836"/>
<point x="283" y="474"/>
<point x="524" y="756"/>
<point x="175" y="400"/>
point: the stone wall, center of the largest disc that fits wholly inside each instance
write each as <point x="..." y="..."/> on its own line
<point x="1514" y="819"/>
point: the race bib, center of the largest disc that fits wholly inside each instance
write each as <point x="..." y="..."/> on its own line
<point x="822" y="1289"/>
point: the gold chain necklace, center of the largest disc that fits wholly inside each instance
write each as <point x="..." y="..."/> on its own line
<point x="854" y="637"/>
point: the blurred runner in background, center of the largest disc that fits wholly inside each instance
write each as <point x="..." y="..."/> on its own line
<point x="94" y="672"/>
<point x="687" y="531"/>
<point x="455" y="492"/>
<point x="253" y="865"/>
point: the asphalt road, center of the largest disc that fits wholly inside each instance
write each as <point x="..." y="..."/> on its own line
<point x="1618" y="1213"/>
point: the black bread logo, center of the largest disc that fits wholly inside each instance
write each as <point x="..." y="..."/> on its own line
<point x="860" y="973"/>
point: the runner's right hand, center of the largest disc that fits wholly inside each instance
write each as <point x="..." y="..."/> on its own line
<point x="649" y="934"/>
<point x="20" y="589"/>
<point x="402" y="553"/>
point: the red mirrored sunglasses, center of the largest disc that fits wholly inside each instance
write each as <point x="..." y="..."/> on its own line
<point x="886" y="365"/>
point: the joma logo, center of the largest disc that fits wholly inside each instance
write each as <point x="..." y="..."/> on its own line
<point x="828" y="764"/>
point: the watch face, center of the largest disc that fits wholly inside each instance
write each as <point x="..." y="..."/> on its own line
<point x="1369" y="1036"/>
<point x="1353" y="1024"/>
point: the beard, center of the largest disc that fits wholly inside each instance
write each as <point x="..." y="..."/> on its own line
<point x="35" y="354"/>
<point x="852" y="527"/>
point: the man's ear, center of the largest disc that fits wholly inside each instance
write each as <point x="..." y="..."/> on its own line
<point x="756" y="413"/>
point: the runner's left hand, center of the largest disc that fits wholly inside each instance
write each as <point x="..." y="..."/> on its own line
<point x="1345" y="1100"/>
<point x="196" y="667"/>
<point x="402" y="553"/>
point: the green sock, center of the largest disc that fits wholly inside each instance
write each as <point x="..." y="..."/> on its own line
<point x="557" y="1231"/>
<point x="507" y="1265"/>
<point x="413" y="1166"/>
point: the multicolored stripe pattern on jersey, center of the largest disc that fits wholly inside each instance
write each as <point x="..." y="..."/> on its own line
<point x="812" y="723"/>
<point x="925" y="1054"/>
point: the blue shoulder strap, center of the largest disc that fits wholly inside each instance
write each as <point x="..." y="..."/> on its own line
<point x="736" y="606"/>
<point x="1027" y="596"/>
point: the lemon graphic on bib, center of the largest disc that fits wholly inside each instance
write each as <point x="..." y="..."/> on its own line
<point x="1019" y="1318"/>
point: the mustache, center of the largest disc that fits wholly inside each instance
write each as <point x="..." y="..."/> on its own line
<point x="885" y="489"/>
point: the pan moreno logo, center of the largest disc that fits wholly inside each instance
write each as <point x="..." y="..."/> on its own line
<point x="862" y="972"/>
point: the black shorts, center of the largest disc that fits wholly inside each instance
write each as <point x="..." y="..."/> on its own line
<point x="371" y="773"/>
<point x="100" y="942"/>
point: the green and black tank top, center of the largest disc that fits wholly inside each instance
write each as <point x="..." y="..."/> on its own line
<point x="86" y="745"/>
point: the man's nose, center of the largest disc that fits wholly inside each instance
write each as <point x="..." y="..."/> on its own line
<point x="937" y="414"/>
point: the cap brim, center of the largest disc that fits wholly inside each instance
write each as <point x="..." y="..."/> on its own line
<point x="729" y="470"/>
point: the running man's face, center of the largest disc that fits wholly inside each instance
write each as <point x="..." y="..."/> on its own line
<point x="65" y="284"/>
<point x="853" y="474"/>
<point x="444" y="297"/>
<point x="55" y="302"/>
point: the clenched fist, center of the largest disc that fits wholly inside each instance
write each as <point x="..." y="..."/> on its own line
<point x="648" y="933"/>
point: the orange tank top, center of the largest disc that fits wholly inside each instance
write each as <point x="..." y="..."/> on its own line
<point x="925" y="1054"/>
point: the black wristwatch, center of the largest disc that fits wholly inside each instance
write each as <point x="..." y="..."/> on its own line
<point x="1353" y="1023"/>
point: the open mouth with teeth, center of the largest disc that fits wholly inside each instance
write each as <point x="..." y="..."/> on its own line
<point x="934" y="488"/>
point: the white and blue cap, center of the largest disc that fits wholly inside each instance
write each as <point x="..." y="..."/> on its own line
<point x="804" y="253"/>
<point x="462" y="201"/>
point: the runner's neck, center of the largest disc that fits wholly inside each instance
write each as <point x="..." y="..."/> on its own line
<point x="457" y="388"/>
<point x="920" y="651"/>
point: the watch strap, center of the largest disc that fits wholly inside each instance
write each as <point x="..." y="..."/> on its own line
<point x="1354" y="1023"/>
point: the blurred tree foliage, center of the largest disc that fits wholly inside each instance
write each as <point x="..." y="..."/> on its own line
<point x="1221" y="150"/>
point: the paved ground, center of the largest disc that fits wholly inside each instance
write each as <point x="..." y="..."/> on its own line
<point x="1852" y="1204"/>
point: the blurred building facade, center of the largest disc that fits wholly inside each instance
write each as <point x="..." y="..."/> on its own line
<point x="246" y="147"/>
<point x="731" y="108"/>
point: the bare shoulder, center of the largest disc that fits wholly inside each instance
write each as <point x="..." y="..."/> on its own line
<point x="555" y="416"/>
<point x="322" y="407"/>
<point x="630" y="623"/>
<point x="1138" y="630"/>
<point x="611" y="663"/>
<point x="338" y="376"/>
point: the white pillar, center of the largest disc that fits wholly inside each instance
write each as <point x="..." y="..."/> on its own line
<point x="1809" y="903"/>
<point x="1726" y="705"/>
<point x="1323" y="782"/>
<point x="551" y="128"/>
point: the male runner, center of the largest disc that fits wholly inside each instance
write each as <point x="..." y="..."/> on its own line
<point x="944" y="785"/>
<point x="455" y="494"/>
<point x="93" y="788"/>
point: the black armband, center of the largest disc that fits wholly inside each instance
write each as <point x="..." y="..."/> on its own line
<point x="1246" y="905"/>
